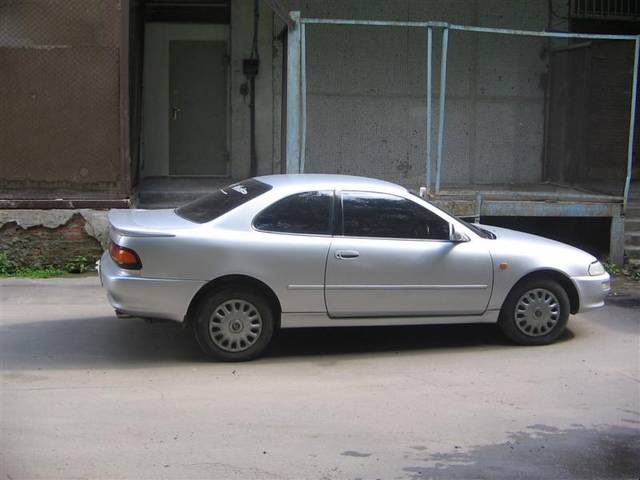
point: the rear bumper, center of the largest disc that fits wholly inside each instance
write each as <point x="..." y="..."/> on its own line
<point x="592" y="291"/>
<point x="135" y="295"/>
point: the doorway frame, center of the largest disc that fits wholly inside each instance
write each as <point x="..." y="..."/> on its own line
<point x="163" y="170"/>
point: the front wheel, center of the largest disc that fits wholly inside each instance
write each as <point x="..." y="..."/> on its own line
<point x="234" y="325"/>
<point x="535" y="312"/>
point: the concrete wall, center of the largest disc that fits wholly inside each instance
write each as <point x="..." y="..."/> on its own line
<point x="366" y="91"/>
<point x="241" y="37"/>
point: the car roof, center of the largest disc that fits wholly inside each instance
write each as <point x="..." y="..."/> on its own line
<point x="320" y="181"/>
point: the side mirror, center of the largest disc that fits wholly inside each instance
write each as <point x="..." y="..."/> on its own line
<point x="458" y="237"/>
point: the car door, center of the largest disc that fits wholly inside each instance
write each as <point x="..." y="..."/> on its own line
<point x="293" y="236"/>
<point x="393" y="257"/>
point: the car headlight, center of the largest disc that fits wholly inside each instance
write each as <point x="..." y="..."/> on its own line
<point x="595" y="269"/>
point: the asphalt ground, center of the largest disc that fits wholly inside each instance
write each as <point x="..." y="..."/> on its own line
<point x="86" y="395"/>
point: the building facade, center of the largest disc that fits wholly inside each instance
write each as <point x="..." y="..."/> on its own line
<point x="149" y="103"/>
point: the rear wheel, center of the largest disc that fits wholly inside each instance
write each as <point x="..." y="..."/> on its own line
<point x="234" y="324"/>
<point x="535" y="312"/>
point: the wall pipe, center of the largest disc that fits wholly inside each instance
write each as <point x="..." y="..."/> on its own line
<point x="532" y="33"/>
<point x="372" y="23"/>
<point x="303" y="96"/>
<point x="429" y="100"/>
<point x="453" y="26"/>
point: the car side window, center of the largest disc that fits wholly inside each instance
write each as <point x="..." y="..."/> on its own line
<point x="369" y="214"/>
<point x="305" y="213"/>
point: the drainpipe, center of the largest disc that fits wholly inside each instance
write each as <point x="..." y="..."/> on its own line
<point x="250" y="69"/>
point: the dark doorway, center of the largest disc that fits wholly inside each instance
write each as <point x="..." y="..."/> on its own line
<point x="178" y="88"/>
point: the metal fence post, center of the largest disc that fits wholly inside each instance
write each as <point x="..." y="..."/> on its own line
<point x="477" y="208"/>
<point x="616" y="240"/>
<point x="443" y="86"/>
<point x="632" y="123"/>
<point x="303" y="95"/>
<point x="428" y="127"/>
<point x="293" y="95"/>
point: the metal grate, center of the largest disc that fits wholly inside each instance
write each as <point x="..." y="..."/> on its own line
<point x="606" y="9"/>
<point x="59" y="97"/>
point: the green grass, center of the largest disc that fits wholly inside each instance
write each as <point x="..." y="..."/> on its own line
<point x="629" y="271"/>
<point x="612" y="268"/>
<point x="26" y="272"/>
<point x="10" y="269"/>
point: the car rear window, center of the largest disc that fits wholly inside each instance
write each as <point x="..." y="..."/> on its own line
<point x="213" y="205"/>
<point x="306" y="213"/>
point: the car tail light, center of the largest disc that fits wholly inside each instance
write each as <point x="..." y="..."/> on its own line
<point x="125" y="257"/>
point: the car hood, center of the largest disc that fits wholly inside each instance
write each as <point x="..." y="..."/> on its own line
<point x="535" y="245"/>
<point x="140" y="222"/>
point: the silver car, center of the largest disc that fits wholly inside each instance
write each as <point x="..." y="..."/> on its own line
<point x="289" y="251"/>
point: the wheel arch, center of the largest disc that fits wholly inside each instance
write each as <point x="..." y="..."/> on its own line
<point x="225" y="281"/>
<point x="565" y="282"/>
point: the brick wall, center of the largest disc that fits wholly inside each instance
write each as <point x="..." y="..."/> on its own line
<point x="39" y="245"/>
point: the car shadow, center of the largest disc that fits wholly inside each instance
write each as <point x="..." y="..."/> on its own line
<point x="304" y="342"/>
<point x="107" y="342"/>
<point x="357" y="340"/>
<point x="94" y="342"/>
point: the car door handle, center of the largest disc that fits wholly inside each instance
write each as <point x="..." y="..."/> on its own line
<point x="343" y="254"/>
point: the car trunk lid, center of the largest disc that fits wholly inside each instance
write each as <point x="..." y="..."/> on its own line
<point x="147" y="223"/>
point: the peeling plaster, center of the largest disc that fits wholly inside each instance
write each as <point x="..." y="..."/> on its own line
<point x="96" y="223"/>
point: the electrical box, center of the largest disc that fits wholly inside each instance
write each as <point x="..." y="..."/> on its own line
<point x="250" y="67"/>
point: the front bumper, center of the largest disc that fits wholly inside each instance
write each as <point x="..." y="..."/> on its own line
<point x="131" y="293"/>
<point x="592" y="290"/>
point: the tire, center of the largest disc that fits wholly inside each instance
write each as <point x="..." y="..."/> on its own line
<point x="234" y="324"/>
<point x="535" y="312"/>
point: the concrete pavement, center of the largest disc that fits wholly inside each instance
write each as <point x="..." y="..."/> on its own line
<point x="84" y="395"/>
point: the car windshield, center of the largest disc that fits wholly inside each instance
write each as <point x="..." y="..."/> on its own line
<point x="471" y="226"/>
<point x="213" y="205"/>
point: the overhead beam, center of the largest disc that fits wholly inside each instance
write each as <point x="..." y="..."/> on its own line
<point x="520" y="208"/>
